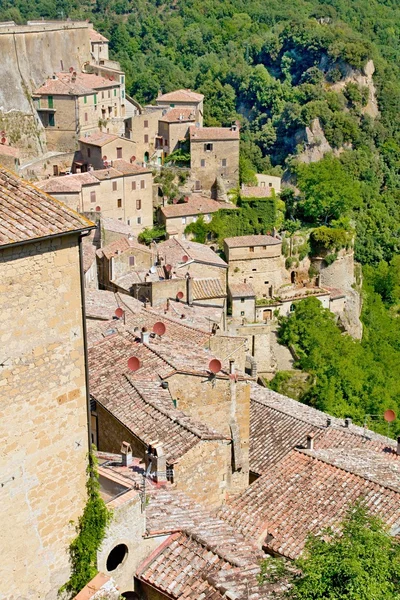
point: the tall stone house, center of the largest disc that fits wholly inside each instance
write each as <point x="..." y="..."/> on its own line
<point x="43" y="392"/>
<point x="214" y="159"/>
<point x="184" y="99"/>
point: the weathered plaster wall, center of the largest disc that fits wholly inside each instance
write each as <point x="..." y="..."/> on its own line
<point x="43" y="424"/>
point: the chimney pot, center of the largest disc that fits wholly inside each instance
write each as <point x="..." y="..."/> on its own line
<point x="126" y="454"/>
<point x="328" y="422"/>
<point x="347" y="422"/>
<point x="164" y="385"/>
<point x="231" y="366"/>
<point x="144" y="336"/>
<point x="310" y="441"/>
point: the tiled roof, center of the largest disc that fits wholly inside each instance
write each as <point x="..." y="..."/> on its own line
<point x="178" y="115"/>
<point x="127" y="168"/>
<point x="67" y="183"/>
<point x="181" y="96"/>
<point x="88" y="251"/>
<point x="116" y="226"/>
<point x="241" y="290"/>
<point x="120" y="246"/>
<point x="102" y="304"/>
<point x="301" y="495"/>
<point x="95" y="36"/>
<point x="84" y="83"/>
<point x="108" y="173"/>
<point x="204" y="289"/>
<point x="279" y="424"/>
<point x="199" y="134"/>
<point x="26" y="213"/>
<point x="203" y="558"/>
<point x="201" y="317"/>
<point x="255" y="192"/>
<point x="9" y="151"/>
<point x="173" y="251"/>
<point x="125" y="282"/>
<point x="242" y="241"/>
<point x="99" y="138"/>
<point x="197" y="205"/>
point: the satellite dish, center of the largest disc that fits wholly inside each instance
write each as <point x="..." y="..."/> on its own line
<point x="215" y="366"/>
<point x="185" y="258"/>
<point x="104" y="158"/>
<point x="159" y="328"/>
<point x="168" y="268"/>
<point x="133" y="363"/>
<point x="179" y="295"/>
<point x="71" y="69"/>
<point x="153" y="269"/>
<point x="389" y="415"/>
<point x="133" y="158"/>
<point x="119" y="313"/>
<point x="3" y="140"/>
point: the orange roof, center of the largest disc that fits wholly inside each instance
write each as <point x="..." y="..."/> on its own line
<point x="66" y="84"/>
<point x="121" y="245"/>
<point x="238" y="290"/>
<point x="9" y="151"/>
<point x="195" y="206"/>
<point x="255" y="192"/>
<point x="127" y="168"/>
<point x="178" y="115"/>
<point x="198" y="134"/>
<point x="95" y="36"/>
<point x="99" y="138"/>
<point x="67" y="183"/>
<point x="28" y="214"/>
<point x="180" y="96"/>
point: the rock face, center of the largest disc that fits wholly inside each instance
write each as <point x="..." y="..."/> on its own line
<point x="363" y="78"/>
<point x="316" y="144"/>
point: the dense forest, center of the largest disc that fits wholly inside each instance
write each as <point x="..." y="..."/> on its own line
<point x="274" y="66"/>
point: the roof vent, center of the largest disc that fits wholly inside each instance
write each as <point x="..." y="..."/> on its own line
<point x="347" y="422"/>
<point x="328" y="421"/>
<point x="310" y="441"/>
<point x="126" y="454"/>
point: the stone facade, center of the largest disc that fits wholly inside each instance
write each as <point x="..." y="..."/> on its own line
<point x="44" y="414"/>
<point x="143" y="130"/>
<point x="173" y="133"/>
<point x="111" y="147"/>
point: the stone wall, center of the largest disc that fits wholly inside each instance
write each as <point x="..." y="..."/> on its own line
<point x="262" y="273"/>
<point x="43" y="425"/>
<point x="223" y="150"/>
<point x="111" y="433"/>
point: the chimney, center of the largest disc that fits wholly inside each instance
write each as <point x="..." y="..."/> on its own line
<point x="231" y="366"/>
<point x="126" y="454"/>
<point x="167" y="304"/>
<point x="274" y="232"/>
<point x="310" y="441"/>
<point x="144" y="336"/>
<point x="158" y="460"/>
<point x="347" y="422"/>
<point x="189" y="289"/>
<point x="328" y="421"/>
<point x="398" y="446"/>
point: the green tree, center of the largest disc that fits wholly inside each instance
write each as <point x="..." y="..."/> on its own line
<point x="358" y="561"/>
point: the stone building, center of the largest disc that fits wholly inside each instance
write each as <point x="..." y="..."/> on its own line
<point x="181" y="100"/>
<point x="72" y="104"/>
<point x="121" y="257"/>
<point x="173" y="128"/>
<point x="98" y="46"/>
<point x="142" y="129"/>
<point x="122" y="192"/>
<point x="176" y="217"/>
<point x="99" y="150"/>
<point x="214" y="158"/>
<point x="43" y="398"/>
<point x="242" y="297"/>
<point x="269" y="181"/>
<point x="256" y="260"/>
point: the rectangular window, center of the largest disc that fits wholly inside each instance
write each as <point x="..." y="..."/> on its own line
<point x="270" y="184"/>
<point x="92" y="47"/>
<point x="241" y="299"/>
<point x="146" y="124"/>
<point x="251" y="249"/>
<point x="138" y="204"/>
<point x="119" y="152"/>
<point x="122" y="78"/>
<point x="172" y="105"/>
<point x="50" y="101"/>
<point x="202" y="162"/>
<point x="262" y="184"/>
<point x="114" y="186"/>
<point x="86" y="119"/>
<point x="123" y="94"/>
<point x="254" y="269"/>
<point x="95" y="99"/>
<point x="109" y="93"/>
<point x="224" y="162"/>
<point x="102" y="94"/>
<point x="146" y="139"/>
<point x="131" y="261"/>
<point x="139" y="220"/>
<point x="52" y="120"/>
<point x="119" y="203"/>
<point x="88" y="152"/>
<point x="115" y="92"/>
<point x="197" y="185"/>
<point x="85" y="99"/>
<point x="183" y="220"/>
<point x="142" y="184"/>
<point x="92" y="196"/>
<point x="133" y="185"/>
<point x="264" y="247"/>
<point x="208" y="147"/>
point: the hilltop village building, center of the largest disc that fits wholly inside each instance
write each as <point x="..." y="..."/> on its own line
<point x="44" y="396"/>
<point x="99" y="150"/>
<point x="182" y="100"/>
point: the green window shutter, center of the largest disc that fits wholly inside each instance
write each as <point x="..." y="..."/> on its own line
<point x="50" y="101"/>
<point x="85" y="99"/>
<point x="115" y="92"/>
<point x="95" y="99"/>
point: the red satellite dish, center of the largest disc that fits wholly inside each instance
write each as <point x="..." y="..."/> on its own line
<point x="71" y="69"/>
<point x="185" y="258"/>
<point x="168" y="268"/>
<point x="159" y="328"/>
<point x="112" y="77"/>
<point x="3" y="140"/>
<point x="119" y="313"/>
<point x="133" y="158"/>
<point x="133" y="363"/>
<point x="389" y="415"/>
<point x="104" y="157"/>
<point x="214" y="366"/>
<point x="98" y="208"/>
<point x="179" y="295"/>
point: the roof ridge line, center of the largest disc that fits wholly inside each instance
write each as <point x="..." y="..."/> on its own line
<point x="197" y="537"/>
<point x="288" y="415"/>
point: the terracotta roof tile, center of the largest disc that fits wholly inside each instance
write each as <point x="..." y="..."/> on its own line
<point x="199" y="134"/>
<point x="240" y="290"/>
<point x="204" y="289"/>
<point x="242" y="241"/>
<point x="9" y="151"/>
<point x="95" y="36"/>
<point x="181" y="96"/>
<point x="116" y="226"/>
<point x="64" y="84"/>
<point x="108" y="173"/>
<point x="102" y="304"/>
<point x="128" y="168"/>
<point x="27" y="213"/>
<point x="178" y="115"/>
<point x="120" y="246"/>
<point x="302" y="494"/>
<point x="99" y="138"/>
<point x="255" y="192"/>
<point x="200" y="317"/>
<point x="67" y="183"/>
<point x="173" y="251"/>
<point x="197" y="205"/>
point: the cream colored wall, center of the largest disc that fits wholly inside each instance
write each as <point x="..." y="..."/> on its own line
<point x="246" y="254"/>
<point x="145" y="213"/>
<point x="222" y="149"/>
<point x="196" y="106"/>
<point x="174" y="133"/>
<point x="261" y="273"/>
<point x="269" y="181"/>
<point x="176" y="226"/>
<point x="43" y="425"/>
<point x="99" y="50"/>
<point x="73" y="200"/>
<point x="247" y="307"/>
<point x="139" y="131"/>
<point x="109" y="150"/>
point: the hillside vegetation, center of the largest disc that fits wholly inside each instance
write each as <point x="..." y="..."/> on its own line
<point x="279" y="66"/>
